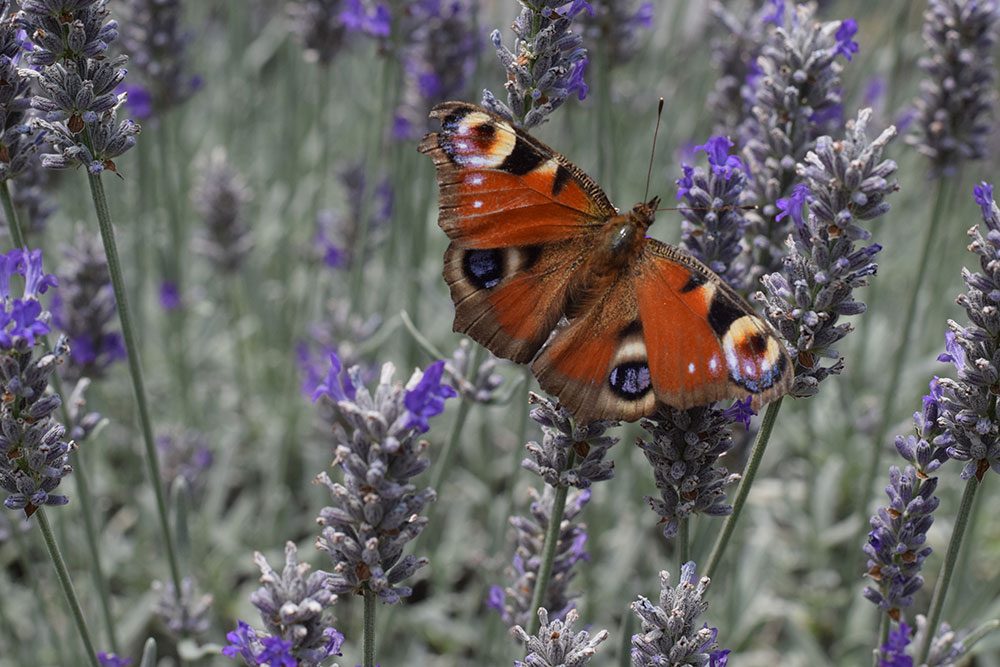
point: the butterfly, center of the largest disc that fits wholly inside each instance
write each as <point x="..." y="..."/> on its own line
<point x="544" y="270"/>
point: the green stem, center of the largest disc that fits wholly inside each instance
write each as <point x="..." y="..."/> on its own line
<point x="948" y="567"/>
<point x="369" y="629"/>
<point x="756" y="455"/>
<point x="548" y="553"/>
<point x="883" y="638"/>
<point x="135" y="369"/>
<point x="8" y="210"/>
<point x="683" y="543"/>
<point x="67" y="586"/>
<point x="896" y="369"/>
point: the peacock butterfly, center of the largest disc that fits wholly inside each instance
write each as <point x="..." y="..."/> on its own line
<point x="535" y="240"/>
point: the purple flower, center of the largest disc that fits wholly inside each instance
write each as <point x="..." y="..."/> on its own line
<point x="953" y="351"/>
<point x="170" y="296"/>
<point x="242" y="642"/>
<point x="337" y="387"/>
<point x="874" y="91"/>
<point x="983" y="194"/>
<point x="718" y="658"/>
<point x="138" y="100"/>
<point x="685" y="183"/>
<point x="375" y="23"/>
<point x="721" y="161"/>
<point x="112" y="660"/>
<point x="793" y="205"/>
<point x="777" y="15"/>
<point x="845" y="46"/>
<point x="276" y="653"/>
<point x="894" y="651"/>
<point x="36" y="281"/>
<point x="427" y="398"/>
<point x="740" y="411"/>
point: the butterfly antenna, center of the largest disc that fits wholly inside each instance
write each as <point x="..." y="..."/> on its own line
<point x="652" y="152"/>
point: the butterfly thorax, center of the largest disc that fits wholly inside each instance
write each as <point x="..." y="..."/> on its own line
<point x="623" y="236"/>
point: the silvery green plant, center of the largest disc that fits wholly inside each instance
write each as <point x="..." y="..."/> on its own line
<point x="556" y="644"/>
<point x="845" y="182"/>
<point x="294" y="608"/>
<point x="77" y="83"/>
<point x="669" y="634"/>
<point x="547" y="63"/>
<point x="954" y="112"/>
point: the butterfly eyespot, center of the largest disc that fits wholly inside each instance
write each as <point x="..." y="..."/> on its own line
<point x="630" y="380"/>
<point x="483" y="268"/>
<point x="694" y="282"/>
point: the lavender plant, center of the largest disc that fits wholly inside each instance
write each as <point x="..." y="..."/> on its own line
<point x="547" y="64"/>
<point x="295" y="610"/>
<point x="795" y="99"/>
<point x="376" y="511"/>
<point x="845" y="182"/>
<point x="615" y="26"/>
<point x="713" y="225"/>
<point x="34" y="455"/>
<point x="83" y="309"/>
<point x="669" y="634"/>
<point x="437" y="61"/>
<point x="157" y="43"/>
<point x="514" y="601"/>
<point x="954" y="113"/>
<point x="220" y="199"/>
<point x="556" y="645"/>
<point x="323" y="26"/>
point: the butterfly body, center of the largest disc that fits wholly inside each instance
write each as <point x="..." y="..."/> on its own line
<point x="536" y="245"/>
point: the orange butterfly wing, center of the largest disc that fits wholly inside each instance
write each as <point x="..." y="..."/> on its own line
<point x="521" y="218"/>
<point x="667" y="331"/>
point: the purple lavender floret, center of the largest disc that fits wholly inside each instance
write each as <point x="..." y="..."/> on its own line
<point x="845" y="183"/>
<point x="896" y="544"/>
<point x="547" y="64"/>
<point x="954" y="113"/>
<point x="20" y="141"/>
<point x="33" y="454"/>
<point x="969" y="428"/>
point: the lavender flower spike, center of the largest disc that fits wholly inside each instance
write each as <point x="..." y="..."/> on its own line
<point x="556" y="645"/>
<point x="846" y="183"/>
<point x="514" y="602"/>
<point x="895" y="546"/>
<point x="683" y="450"/>
<point x="970" y="428"/>
<point x="376" y="510"/>
<point x="33" y="455"/>
<point x="294" y="607"/>
<point x="955" y="109"/>
<point x="546" y="65"/>
<point x="669" y="635"/>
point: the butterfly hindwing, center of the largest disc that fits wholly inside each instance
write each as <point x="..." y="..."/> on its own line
<point x="499" y="186"/>
<point x="510" y="299"/>
<point x="667" y="331"/>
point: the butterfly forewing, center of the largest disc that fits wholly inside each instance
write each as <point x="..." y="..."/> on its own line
<point x="501" y="187"/>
